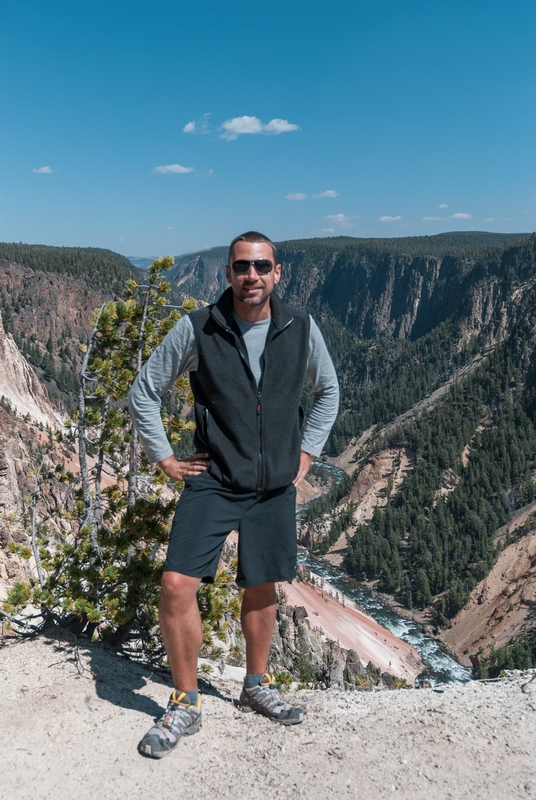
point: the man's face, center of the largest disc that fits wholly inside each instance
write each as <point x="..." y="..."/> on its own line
<point x="251" y="288"/>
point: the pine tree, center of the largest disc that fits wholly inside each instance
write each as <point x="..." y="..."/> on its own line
<point x="105" y="575"/>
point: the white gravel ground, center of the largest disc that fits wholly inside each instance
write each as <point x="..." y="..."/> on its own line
<point x="71" y="720"/>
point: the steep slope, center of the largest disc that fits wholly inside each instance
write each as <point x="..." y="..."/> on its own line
<point x="343" y="621"/>
<point x="95" y="267"/>
<point x="501" y="607"/>
<point x="398" y="315"/>
<point x="49" y="315"/>
<point x="20" y="387"/>
<point x="27" y="422"/>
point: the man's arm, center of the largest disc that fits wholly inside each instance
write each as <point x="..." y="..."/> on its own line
<point x="176" y="355"/>
<point x="321" y="373"/>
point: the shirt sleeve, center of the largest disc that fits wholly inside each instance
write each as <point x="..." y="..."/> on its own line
<point x="176" y="355"/>
<point x="321" y="373"/>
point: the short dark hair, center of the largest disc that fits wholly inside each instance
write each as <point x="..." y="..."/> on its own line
<point x="251" y="236"/>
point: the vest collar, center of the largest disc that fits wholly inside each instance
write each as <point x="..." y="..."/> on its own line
<point x="223" y="312"/>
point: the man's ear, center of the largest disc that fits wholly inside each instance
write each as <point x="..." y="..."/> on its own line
<point x="277" y="273"/>
<point x="228" y="273"/>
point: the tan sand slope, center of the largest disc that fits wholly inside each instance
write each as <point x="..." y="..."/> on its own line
<point x="342" y="620"/>
<point x="370" y="491"/>
<point x="499" y="605"/>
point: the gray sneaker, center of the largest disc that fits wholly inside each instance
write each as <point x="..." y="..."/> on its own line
<point x="181" y="718"/>
<point x="265" y="699"/>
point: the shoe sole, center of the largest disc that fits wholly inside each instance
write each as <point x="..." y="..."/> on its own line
<point x="147" y="752"/>
<point x="262" y="712"/>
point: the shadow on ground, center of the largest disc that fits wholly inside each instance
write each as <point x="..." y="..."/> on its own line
<point x="118" y="680"/>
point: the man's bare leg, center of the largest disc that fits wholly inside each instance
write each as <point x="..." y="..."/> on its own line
<point x="182" y="630"/>
<point x="258" y="615"/>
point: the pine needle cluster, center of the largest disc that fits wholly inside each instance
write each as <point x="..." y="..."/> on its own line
<point x="102" y="579"/>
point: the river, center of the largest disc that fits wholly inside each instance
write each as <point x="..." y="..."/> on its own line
<point x="441" y="667"/>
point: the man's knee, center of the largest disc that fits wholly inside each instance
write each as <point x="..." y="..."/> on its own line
<point x="178" y="589"/>
<point x="262" y="595"/>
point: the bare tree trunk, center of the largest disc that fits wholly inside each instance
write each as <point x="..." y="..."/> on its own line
<point x="35" y="549"/>
<point x="90" y="518"/>
<point x="134" y="442"/>
<point x="98" y="470"/>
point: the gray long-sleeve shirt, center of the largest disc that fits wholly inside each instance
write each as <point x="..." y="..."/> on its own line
<point x="177" y="354"/>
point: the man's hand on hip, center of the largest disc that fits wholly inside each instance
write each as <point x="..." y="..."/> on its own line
<point x="178" y="470"/>
<point x="305" y="462"/>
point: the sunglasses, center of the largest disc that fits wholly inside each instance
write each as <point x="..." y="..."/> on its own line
<point x="262" y="265"/>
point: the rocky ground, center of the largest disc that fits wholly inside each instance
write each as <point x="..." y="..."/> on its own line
<point x="72" y="716"/>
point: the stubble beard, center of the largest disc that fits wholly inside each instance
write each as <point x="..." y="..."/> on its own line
<point x="254" y="301"/>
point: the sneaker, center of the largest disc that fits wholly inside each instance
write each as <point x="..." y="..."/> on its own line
<point x="180" y="718"/>
<point x="265" y="699"/>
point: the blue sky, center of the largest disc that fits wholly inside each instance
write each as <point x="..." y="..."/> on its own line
<point x="164" y="127"/>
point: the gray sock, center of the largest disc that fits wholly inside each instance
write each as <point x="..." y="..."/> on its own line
<point x="253" y="680"/>
<point x="193" y="695"/>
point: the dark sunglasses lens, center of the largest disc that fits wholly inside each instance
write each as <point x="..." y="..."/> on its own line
<point x="262" y="265"/>
<point x="240" y="267"/>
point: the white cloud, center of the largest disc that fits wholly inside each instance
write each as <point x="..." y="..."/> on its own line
<point x="277" y="126"/>
<point x="170" y="228"/>
<point x="443" y="205"/>
<point x="233" y="128"/>
<point x="489" y="219"/>
<point x="431" y="219"/>
<point x="340" y="221"/>
<point x="120" y="240"/>
<point x="177" y="168"/>
<point x="43" y="170"/>
<point x="328" y="193"/>
<point x="327" y="230"/>
<point x="296" y="196"/>
<point x="460" y="215"/>
<point x="200" y="127"/>
<point x="388" y="219"/>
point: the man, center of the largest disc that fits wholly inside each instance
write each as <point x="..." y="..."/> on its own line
<point x="247" y="356"/>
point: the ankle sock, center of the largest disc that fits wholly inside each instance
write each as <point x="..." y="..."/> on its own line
<point x="253" y="680"/>
<point x="193" y="695"/>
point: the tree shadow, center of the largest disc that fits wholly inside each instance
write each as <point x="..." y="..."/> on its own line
<point x="118" y="680"/>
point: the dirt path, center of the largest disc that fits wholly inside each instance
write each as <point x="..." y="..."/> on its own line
<point x="69" y="730"/>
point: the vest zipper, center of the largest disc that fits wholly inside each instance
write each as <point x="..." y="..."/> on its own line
<point x="259" y="433"/>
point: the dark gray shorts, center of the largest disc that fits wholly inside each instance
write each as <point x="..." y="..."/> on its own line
<point x="207" y="512"/>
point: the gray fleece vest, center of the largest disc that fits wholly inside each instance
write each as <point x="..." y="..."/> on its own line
<point x="252" y="433"/>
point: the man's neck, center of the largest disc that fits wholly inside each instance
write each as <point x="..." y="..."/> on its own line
<point x="252" y="313"/>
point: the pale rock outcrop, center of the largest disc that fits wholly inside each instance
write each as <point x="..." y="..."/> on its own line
<point x="20" y="386"/>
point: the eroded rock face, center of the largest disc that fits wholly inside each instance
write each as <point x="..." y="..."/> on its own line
<point x="500" y="606"/>
<point x="25" y="416"/>
<point x="15" y="466"/>
<point x="378" y="293"/>
<point x="46" y="304"/>
<point x="20" y="386"/>
<point x="310" y="657"/>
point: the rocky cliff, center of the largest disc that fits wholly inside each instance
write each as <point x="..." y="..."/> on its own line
<point x="27" y="422"/>
<point x="381" y="290"/>
<point x="20" y="387"/>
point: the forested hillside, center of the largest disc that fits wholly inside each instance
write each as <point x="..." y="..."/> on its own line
<point x="402" y="318"/>
<point x="399" y="315"/>
<point x="47" y="295"/>
<point x="99" y="269"/>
